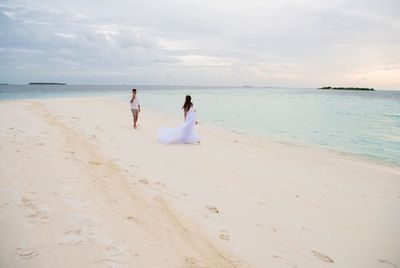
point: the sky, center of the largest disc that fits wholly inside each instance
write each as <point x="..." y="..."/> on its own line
<point x="288" y="43"/>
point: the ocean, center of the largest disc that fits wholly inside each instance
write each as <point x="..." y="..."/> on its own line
<point x="361" y="123"/>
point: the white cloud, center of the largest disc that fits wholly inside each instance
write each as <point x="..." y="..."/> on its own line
<point x="66" y="35"/>
<point x="199" y="60"/>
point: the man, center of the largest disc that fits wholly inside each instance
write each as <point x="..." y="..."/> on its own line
<point x="135" y="108"/>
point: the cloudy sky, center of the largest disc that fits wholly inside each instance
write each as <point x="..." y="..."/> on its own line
<point x="304" y="43"/>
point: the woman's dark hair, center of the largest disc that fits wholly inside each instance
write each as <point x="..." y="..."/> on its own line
<point x="133" y="90"/>
<point x="188" y="103"/>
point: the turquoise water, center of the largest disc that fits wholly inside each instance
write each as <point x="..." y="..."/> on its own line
<point x="362" y="123"/>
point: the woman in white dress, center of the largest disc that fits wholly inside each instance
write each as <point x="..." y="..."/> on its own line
<point x="185" y="132"/>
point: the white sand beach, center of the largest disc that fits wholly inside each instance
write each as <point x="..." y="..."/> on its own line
<point x="80" y="188"/>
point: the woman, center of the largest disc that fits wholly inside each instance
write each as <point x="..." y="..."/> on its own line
<point x="184" y="133"/>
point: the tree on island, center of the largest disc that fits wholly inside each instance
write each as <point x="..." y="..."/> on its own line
<point x="41" y="83"/>
<point x="348" y="88"/>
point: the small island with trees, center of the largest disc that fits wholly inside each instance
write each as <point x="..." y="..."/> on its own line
<point x="348" y="88"/>
<point x="41" y="83"/>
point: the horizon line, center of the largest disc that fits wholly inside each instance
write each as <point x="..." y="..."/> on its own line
<point x="182" y="85"/>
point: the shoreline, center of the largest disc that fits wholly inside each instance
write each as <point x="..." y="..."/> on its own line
<point x="368" y="159"/>
<point x="371" y="159"/>
<point x="259" y="202"/>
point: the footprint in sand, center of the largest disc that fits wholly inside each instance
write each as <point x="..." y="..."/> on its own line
<point x="159" y="183"/>
<point x="69" y="152"/>
<point x="115" y="257"/>
<point x="224" y="235"/>
<point x="274" y="229"/>
<point x="76" y="237"/>
<point x="39" y="216"/>
<point x="39" y="211"/>
<point x="27" y="253"/>
<point x="135" y="219"/>
<point x="322" y="256"/>
<point x="94" y="163"/>
<point x="190" y="262"/>
<point x="276" y="257"/>
<point x="144" y="181"/>
<point x="288" y="262"/>
<point x="212" y="209"/>
<point x="308" y="230"/>
<point x="116" y="252"/>
<point x="389" y="263"/>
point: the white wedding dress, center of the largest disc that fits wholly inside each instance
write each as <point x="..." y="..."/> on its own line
<point x="184" y="133"/>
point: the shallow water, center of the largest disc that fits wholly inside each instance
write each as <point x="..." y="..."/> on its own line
<point x="366" y="123"/>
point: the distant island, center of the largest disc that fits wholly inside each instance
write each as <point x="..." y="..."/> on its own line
<point x="3" y="84"/>
<point x="348" y="88"/>
<point x="40" y="83"/>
